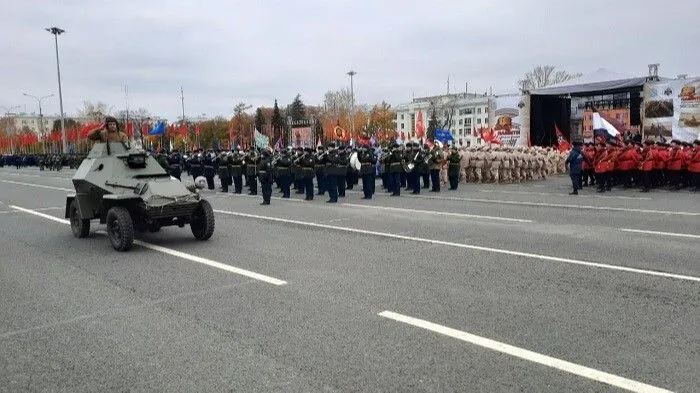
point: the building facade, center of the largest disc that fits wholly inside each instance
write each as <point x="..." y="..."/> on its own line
<point x="462" y="114"/>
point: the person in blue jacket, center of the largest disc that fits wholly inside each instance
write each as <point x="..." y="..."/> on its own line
<point x="574" y="161"/>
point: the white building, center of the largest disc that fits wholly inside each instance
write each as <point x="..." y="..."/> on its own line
<point x="464" y="112"/>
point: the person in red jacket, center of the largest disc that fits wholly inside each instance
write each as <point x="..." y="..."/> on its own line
<point x="686" y="176"/>
<point x="660" y="158"/>
<point x="674" y="165"/>
<point x="646" y="164"/>
<point x="627" y="162"/>
<point x="694" y="165"/>
<point x="587" y="175"/>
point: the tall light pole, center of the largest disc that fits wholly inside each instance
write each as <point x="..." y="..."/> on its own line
<point x="352" y="101"/>
<point x="56" y="31"/>
<point x="8" y="111"/>
<point x="41" y="115"/>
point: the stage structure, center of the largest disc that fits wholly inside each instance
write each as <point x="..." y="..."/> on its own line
<point x="569" y="104"/>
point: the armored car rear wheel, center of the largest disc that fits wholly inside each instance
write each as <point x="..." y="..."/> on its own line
<point x="202" y="224"/>
<point x="120" y="228"/>
<point x="80" y="227"/>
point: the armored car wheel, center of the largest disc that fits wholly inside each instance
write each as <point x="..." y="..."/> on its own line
<point x="202" y="224"/>
<point x="120" y="228"/>
<point x="80" y="227"/>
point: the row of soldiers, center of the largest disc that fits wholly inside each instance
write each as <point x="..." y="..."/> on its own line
<point x="54" y="162"/>
<point x="337" y="168"/>
<point x="675" y="165"/>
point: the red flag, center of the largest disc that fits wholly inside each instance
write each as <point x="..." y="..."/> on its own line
<point x="562" y="143"/>
<point x="130" y="129"/>
<point x="145" y="128"/>
<point x="197" y="131"/>
<point x="183" y="130"/>
<point x="420" y="127"/>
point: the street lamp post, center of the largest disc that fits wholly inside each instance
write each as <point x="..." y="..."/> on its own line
<point x="56" y="31"/>
<point x="352" y="101"/>
<point x="8" y="111"/>
<point x="41" y="116"/>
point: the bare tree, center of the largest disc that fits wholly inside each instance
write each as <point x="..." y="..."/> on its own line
<point x="337" y="103"/>
<point x="542" y="76"/>
<point x="94" y="111"/>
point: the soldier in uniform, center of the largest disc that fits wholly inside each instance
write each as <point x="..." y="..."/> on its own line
<point x="208" y="163"/>
<point x="454" y="160"/>
<point x="236" y="169"/>
<point x="417" y="158"/>
<point x="436" y="158"/>
<point x="283" y="167"/>
<point x="320" y="170"/>
<point x="331" y="159"/>
<point x="196" y="164"/>
<point x="367" y="162"/>
<point x="308" y="164"/>
<point x="252" y="160"/>
<point x="342" y="170"/>
<point x="109" y="132"/>
<point x="395" y="170"/>
<point x="223" y="162"/>
<point x="175" y="164"/>
<point x="162" y="159"/>
<point x="264" y="173"/>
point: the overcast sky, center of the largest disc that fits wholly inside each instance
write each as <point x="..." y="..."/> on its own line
<point x="224" y="52"/>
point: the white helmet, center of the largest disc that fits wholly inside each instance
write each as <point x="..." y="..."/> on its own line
<point x="200" y="182"/>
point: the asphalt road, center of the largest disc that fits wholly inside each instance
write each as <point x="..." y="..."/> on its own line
<point x="487" y="289"/>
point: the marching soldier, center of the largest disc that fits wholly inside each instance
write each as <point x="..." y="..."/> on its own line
<point x="208" y="163"/>
<point x="395" y="170"/>
<point x="196" y="164"/>
<point x="453" y="168"/>
<point x="436" y="158"/>
<point x="236" y="170"/>
<point x="283" y="167"/>
<point x="331" y="159"/>
<point x="308" y="165"/>
<point x="320" y="170"/>
<point x="264" y="173"/>
<point x="175" y="164"/>
<point x="367" y="162"/>
<point x="342" y="170"/>
<point x="223" y="162"/>
<point x="252" y="160"/>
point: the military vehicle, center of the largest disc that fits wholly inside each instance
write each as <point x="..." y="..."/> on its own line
<point x="126" y="189"/>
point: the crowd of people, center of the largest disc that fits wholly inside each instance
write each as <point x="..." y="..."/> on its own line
<point x="630" y="164"/>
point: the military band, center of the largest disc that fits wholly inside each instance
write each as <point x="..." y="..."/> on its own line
<point x="416" y="166"/>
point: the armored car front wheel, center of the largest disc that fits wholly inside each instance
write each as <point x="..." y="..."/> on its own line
<point x="202" y="224"/>
<point x="120" y="228"/>
<point x="79" y="226"/>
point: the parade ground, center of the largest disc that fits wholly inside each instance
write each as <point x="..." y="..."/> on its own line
<point x="490" y="288"/>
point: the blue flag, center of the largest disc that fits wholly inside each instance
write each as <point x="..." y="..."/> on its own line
<point x="443" y="135"/>
<point x="158" y="129"/>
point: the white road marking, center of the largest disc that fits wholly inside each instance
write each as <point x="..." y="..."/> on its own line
<point x="560" y="205"/>
<point x="467" y="246"/>
<point x="37" y="209"/>
<point x="437" y="213"/>
<point x="175" y="253"/>
<point x="564" y="195"/>
<point x="36" y="185"/>
<point x="688" y="235"/>
<point x="521" y="353"/>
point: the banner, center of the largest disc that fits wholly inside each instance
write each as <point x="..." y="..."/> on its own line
<point x="302" y="137"/>
<point x="622" y="116"/>
<point x="672" y="109"/>
<point x="507" y="124"/>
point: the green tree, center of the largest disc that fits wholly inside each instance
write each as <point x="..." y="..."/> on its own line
<point x="70" y="123"/>
<point x="278" y="123"/>
<point x="432" y="124"/>
<point x="211" y="130"/>
<point x="297" y="109"/>
<point x="259" y="119"/>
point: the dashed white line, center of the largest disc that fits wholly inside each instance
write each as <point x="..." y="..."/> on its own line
<point x="560" y="205"/>
<point x="468" y="246"/>
<point x="521" y="353"/>
<point x="175" y="253"/>
<point x="674" y="234"/>
<point x="436" y="213"/>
